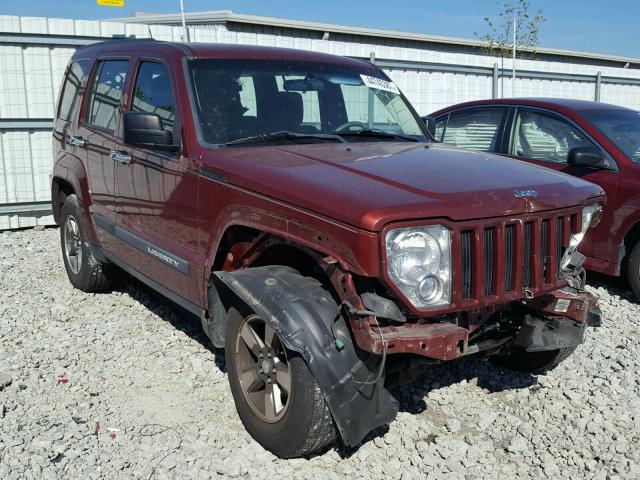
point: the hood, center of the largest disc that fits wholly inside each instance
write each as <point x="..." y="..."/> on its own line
<point x="371" y="184"/>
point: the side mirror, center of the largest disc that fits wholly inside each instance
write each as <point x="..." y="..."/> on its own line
<point x="145" y="130"/>
<point x="586" y="157"/>
<point x="430" y="122"/>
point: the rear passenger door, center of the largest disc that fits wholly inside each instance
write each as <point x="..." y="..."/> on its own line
<point x="156" y="190"/>
<point x="475" y="128"/>
<point x="68" y="105"/>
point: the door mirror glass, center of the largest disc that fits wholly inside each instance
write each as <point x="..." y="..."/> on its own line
<point x="145" y="130"/>
<point x="430" y="123"/>
<point x="586" y="157"/>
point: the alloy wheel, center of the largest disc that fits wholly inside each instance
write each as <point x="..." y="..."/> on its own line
<point x="72" y="245"/>
<point x="263" y="369"/>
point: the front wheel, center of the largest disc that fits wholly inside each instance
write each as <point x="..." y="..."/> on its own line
<point x="85" y="272"/>
<point x="520" y="360"/>
<point x="277" y="398"/>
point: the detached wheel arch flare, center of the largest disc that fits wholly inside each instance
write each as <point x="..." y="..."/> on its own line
<point x="302" y="313"/>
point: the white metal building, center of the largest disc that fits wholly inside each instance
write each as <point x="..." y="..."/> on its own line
<point x="433" y="71"/>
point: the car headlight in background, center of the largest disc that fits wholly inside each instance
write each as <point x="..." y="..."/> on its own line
<point x="419" y="264"/>
<point x="591" y="215"/>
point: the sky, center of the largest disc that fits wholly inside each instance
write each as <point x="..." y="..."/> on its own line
<point x="610" y="27"/>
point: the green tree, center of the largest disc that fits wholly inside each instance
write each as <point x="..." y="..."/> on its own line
<point x="499" y="38"/>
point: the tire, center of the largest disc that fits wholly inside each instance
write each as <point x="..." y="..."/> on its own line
<point x="304" y="425"/>
<point x="533" y="362"/>
<point x="633" y="270"/>
<point x="85" y="272"/>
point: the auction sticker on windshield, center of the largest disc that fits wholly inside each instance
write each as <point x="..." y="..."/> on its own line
<point x="380" y="84"/>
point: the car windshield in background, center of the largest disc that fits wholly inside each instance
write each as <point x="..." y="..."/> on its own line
<point x="248" y="101"/>
<point x="622" y="127"/>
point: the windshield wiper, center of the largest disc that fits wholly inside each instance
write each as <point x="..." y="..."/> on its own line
<point x="374" y="132"/>
<point x="266" y="137"/>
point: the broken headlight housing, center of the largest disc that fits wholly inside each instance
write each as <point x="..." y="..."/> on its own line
<point x="590" y="218"/>
<point x="419" y="264"/>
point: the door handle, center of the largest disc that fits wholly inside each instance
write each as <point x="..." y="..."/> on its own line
<point x="121" y="157"/>
<point x="77" y="142"/>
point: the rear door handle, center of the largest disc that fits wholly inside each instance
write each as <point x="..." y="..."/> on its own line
<point x="122" y="157"/>
<point x="77" y="142"/>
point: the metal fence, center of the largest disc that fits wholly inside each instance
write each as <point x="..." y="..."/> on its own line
<point x="34" y="52"/>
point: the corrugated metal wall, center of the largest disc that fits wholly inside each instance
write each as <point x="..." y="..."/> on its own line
<point x="34" y="52"/>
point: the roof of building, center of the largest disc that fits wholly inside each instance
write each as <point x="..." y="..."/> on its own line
<point x="228" y="16"/>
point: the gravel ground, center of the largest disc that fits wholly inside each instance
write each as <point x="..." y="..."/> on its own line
<point x="124" y="385"/>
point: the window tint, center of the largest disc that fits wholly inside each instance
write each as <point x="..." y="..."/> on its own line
<point x="152" y="93"/>
<point x="475" y="129"/>
<point x="71" y="87"/>
<point x="541" y="136"/>
<point x="107" y="92"/>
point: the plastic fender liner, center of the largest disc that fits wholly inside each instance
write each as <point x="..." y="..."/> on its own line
<point x="301" y="312"/>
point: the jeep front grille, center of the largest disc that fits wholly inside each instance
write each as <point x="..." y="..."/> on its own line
<point x="508" y="259"/>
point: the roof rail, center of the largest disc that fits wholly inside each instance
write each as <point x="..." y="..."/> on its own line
<point x="119" y="39"/>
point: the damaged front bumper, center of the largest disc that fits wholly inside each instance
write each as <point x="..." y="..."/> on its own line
<point x="564" y="317"/>
<point x="553" y="320"/>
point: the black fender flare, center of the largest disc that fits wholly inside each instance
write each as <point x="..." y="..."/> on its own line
<point x="302" y="312"/>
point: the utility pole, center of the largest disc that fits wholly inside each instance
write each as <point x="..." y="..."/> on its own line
<point x="513" y="63"/>
<point x="185" y="35"/>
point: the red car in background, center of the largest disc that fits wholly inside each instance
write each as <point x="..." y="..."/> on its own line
<point x="594" y="141"/>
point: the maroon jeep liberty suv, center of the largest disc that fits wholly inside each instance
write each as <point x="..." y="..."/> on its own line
<point x="295" y="203"/>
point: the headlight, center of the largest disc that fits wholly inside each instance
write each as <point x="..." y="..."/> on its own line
<point x="419" y="264"/>
<point x="590" y="217"/>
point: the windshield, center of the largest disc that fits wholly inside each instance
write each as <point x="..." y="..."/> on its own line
<point x="238" y="99"/>
<point x="622" y="127"/>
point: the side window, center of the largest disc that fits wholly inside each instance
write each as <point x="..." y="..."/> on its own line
<point x="541" y="136"/>
<point x="106" y="93"/>
<point x="71" y="88"/>
<point x="475" y="129"/>
<point x="152" y="93"/>
<point x="441" y="122"/>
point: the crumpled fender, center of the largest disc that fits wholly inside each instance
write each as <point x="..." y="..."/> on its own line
<point x="301" y="312"/>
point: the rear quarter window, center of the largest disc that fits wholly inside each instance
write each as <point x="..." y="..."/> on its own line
<point x="71" y="88"/>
